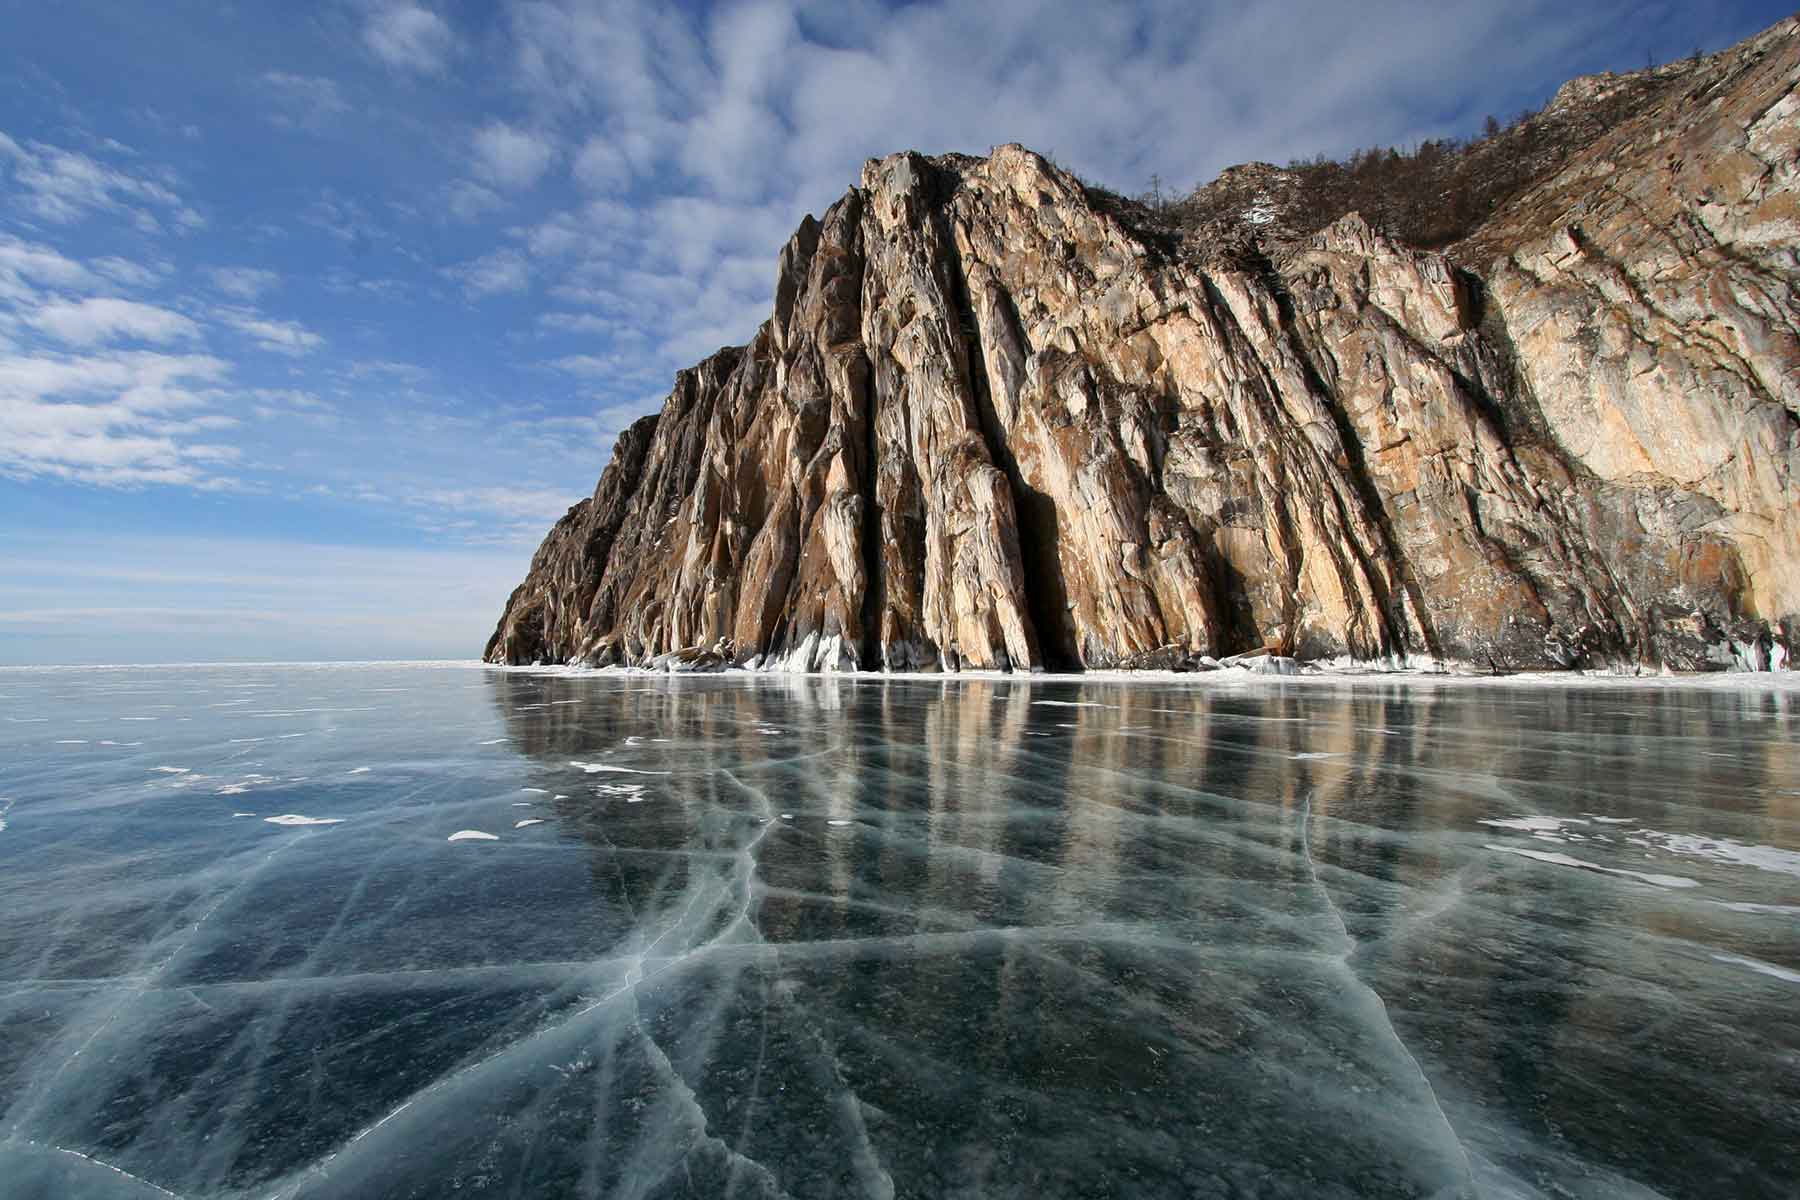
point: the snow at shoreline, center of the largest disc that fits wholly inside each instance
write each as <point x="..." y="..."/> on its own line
<point x="1782" y="682"/>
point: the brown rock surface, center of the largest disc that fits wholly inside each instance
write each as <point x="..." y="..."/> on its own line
<point x="988" y="426"/>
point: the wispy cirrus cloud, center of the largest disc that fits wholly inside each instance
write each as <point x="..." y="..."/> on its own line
<point x="245" y="283"/>
<point x="511" y="157"/>
<point x="107" y="318"/>
<point x="409" y="37"/>
<point x="60" y="186"/>
<point x="309" y="102"/>
<point x="281" y="337"/>
<point x="115" y="418"/>
<point x="492" y="274"/>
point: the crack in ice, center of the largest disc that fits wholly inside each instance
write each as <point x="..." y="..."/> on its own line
<point x="1387" y="1021"/>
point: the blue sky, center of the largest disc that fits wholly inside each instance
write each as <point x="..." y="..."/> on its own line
<point x="313" y="317"/>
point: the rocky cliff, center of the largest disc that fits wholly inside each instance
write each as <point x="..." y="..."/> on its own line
<point x="989" y="423"/>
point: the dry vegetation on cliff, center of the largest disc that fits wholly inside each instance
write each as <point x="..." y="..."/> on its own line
<point x="1429" y="196"/>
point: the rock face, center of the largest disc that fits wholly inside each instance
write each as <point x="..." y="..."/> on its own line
<point x="986" y="426"/>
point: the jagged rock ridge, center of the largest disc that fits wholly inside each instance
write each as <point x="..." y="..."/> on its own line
<point x="987" y="425"/>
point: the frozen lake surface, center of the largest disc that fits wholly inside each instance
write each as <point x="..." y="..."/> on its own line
<point x="422" y="931"/>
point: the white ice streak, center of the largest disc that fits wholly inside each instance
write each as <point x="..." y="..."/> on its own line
<point x="120" y="1171"/>
<point x="1533" y="824"/>
<point x="297" y="819"/>
<point x="528" y="821"/>
<point x="1564" y="860"/>
<point x="360" y="770"/>
<point x="173" y="770"/>
<point x="472" y="835"/>
<point x="1761" y="967"/>
<point x="594" y="768"/>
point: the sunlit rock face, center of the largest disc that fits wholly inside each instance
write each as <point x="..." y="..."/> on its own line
<point x="987" y="426"/>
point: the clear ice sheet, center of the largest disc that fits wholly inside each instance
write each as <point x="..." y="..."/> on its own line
<point x="816" y="937"/>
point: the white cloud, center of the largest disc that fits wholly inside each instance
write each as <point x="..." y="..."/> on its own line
<point x="410" y="37"/>
<point x="25" y="266"/>
<point x="62" y="186"/>
<point x="532" y="504"/>
<point x="563" y="322"/>
<point x="304" y="101"/>
<point x="107" y="318"/>
<point x="510" y="157"/>
<point x="492" y="274"/>
<point x="118" y="418"/>
<point x="403" y="372"/>
<point x="282" y="337"/>
<point x="467" y="201"/>
<point x="245" y="283"/>
<point x="127" y="273"/>
<point x="591" y="364"/>
<point x="600" y="166"/>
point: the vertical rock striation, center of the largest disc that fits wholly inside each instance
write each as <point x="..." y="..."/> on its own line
<point x="988" y="426"/>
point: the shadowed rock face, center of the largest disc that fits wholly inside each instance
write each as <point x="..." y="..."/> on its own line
<point x="985" y="426"/>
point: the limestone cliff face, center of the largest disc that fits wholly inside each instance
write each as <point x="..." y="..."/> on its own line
<point x="987" y="426"/>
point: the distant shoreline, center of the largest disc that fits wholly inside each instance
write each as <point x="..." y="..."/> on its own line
<point x="1786" y="680"/>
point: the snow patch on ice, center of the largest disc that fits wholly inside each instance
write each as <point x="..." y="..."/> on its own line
<point x="1763" y="858"/>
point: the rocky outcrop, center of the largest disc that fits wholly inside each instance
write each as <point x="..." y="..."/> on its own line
<point x="988" y="426"/>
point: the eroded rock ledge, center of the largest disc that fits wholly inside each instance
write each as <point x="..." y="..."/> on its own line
<point x="985" y="426"/>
